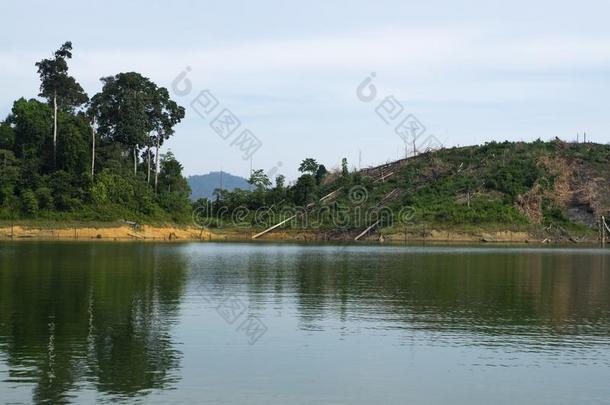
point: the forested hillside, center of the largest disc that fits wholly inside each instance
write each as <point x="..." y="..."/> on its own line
<point x="542" y="183"/>
<point x="555" y="187"/>
<point x="66" y="155"/>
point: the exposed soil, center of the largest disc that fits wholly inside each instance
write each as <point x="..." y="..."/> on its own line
<point x="176" y="233"/>
<point x="124" y="232"/>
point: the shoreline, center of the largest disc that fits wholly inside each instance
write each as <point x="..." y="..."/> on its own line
<point x="102" y="233"/>
<point x="152" y="233"/>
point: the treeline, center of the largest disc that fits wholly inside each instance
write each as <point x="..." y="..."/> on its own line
<point x="520" y="186"/>
<point x="75" y="157"/>
<point x="267" y="198"/>
<point x="264" y="193"/>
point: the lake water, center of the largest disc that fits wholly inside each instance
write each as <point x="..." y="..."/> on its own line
<point x="220" y="323"/>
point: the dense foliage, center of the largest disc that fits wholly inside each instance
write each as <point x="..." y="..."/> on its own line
<point x="72" y="157"/>
<point x="507" y="185"/>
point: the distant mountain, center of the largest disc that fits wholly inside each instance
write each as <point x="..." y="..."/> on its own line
<point x="202" y="186"/>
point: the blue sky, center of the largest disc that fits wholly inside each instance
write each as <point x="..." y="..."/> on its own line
<point x="470" y="71"/>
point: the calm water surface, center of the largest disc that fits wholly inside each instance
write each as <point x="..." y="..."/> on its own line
<point x="302" y="324"/>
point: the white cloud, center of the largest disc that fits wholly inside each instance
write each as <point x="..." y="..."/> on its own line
<point x="408" y="54"/>
<point x="410" y="50"/>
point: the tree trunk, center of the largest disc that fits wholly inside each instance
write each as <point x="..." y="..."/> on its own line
<point x="148" y="162"/>
<point x="55" y="129"/>
<point x="93" y="148"/>
<point x="157" y="164"/>
<point x="135" y="161"/>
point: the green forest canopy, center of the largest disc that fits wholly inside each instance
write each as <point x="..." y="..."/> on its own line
<point x="91" y="158"/>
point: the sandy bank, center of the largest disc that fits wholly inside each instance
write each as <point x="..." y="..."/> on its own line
<point x="124" y="232"/>
<point x="190" y="233"/>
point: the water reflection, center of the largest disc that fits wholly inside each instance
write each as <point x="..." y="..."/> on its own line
<point x="102" y="318"/>
<point x="96" y="313"/>
<point x="479" y="290"/>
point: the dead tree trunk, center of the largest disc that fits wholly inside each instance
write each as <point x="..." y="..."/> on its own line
<point x="157" y="163"/>
<point x="55" y="129"/>
<point x="148" y="163"/>
<point x="93" y="148"/>
<point x="135" y="161"/>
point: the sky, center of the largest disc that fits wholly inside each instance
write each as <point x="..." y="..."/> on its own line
<point x="293" y="73"/>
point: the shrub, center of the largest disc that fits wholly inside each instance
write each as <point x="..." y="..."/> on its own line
<point x="44" y="197"/>
<point x="29" y="204"/>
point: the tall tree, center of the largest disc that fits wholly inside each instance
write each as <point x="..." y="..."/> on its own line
<point x="93" y="113"/>
<point x="133" y="111"/>
<point x="309" y="165"/>
<point x="59" y="88"/>
<point x="123" y="109"/>
<point x="280" y="181"/>
<point x="259" y="179"/>
<point x="164" y="115"/>
<point x="30" y="121"/>
<point x="304" y="189"/>
<point x="320" y="174"/>
<point x="344" y="168"/>
<point x="93" y="147"/>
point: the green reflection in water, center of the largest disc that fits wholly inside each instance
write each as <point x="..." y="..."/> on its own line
<point x="97" y="312"/>
<point x="82" y="317"/>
